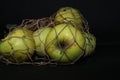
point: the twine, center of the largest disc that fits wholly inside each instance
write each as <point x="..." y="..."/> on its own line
<point x="35" y="24"/>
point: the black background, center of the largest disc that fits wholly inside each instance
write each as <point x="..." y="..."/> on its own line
<point x="103" y="17"/>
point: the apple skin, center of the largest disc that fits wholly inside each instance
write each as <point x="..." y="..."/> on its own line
<point x="40" y="37"/>
<point x="90" y="43"/>
<point x="64" y="43"/>
<point x="18" y="46"/>
<point x="69" y="14"/>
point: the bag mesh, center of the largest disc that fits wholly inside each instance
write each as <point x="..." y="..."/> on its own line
<point x="33" y="25"/>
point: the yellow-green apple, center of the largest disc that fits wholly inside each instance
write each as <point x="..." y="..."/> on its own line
<point x="40" y="37"/>
<point x="69" y="14"/>
<point x="18" y="46"/>
<point x="64" y="43"/>
<point x="90" y="43"/>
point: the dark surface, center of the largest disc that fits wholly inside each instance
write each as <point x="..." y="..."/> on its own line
<point x="103" y="17"/>
<point x="102" y="65"/>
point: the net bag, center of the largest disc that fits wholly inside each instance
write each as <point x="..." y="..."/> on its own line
<point x="62" y="38"/>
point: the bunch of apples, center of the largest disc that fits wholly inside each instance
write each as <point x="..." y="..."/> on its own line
<point x="64" y="42"/>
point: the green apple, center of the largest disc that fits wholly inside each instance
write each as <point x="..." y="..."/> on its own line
<point x="40" y="37"/>
<point x="18" y="46"/>
<point x="64" y="43"/>
<point x="69" y="14"/>
<point x="90" y="43"/>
